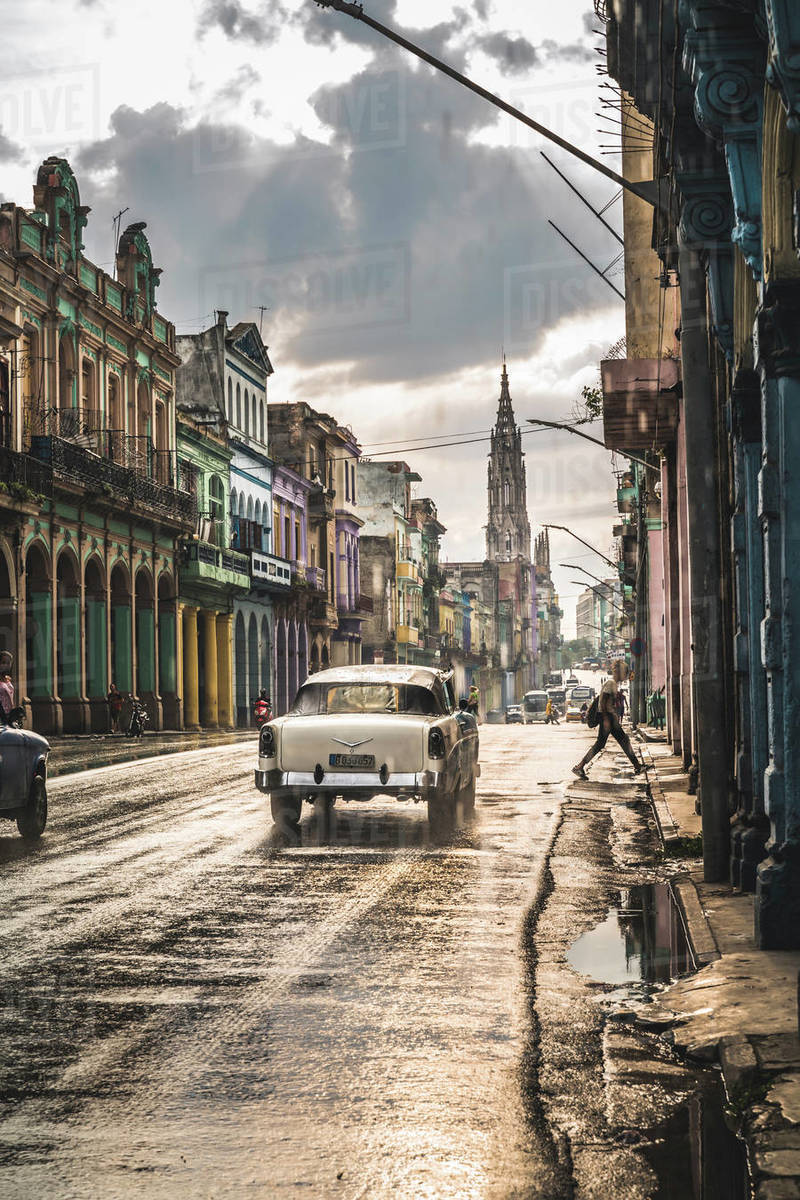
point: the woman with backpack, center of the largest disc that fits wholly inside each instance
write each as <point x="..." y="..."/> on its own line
<point x="603" y="715"/>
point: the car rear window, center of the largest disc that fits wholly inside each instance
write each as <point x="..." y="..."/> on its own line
<point x="355" y="698"/>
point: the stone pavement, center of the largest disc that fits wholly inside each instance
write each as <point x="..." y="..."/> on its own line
<point x="741" y="1007"/>
<point x="82" y="752"/>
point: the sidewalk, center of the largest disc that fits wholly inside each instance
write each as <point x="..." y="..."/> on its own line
<point x="741" y="1008"/>
<point x="82" y="752"/>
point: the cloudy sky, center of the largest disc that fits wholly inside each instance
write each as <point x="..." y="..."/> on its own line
<point x="393" y="225"/>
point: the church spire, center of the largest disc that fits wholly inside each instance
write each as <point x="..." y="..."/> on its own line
<point x="508" y="533"/>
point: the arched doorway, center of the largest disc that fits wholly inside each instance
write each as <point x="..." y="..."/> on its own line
<point x="291" y="655"/>
<point x="313" y="665"/>
<point x="39" y="640"/>
<point x="66" y="380"/>
<point x="240" y="664"/>
<point x="280" y="667"/>
<point x="167" y="651"/>
<point x="266" y="657"/>
<point x="121" y="644"/>
<point x="68" y="642"/>
<point x="146" y="644"/>
<point x="7" y="609"/>
<point x="326" y="656"/>
<point x="253" y="682"/>
<point x="94" y="638"/>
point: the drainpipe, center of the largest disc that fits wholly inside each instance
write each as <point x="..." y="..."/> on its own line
<point x="708" y="685"/>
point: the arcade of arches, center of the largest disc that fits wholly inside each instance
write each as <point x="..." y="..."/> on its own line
<point x="76" y="620"/>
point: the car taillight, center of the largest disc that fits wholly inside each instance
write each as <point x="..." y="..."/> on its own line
<point x="436" y="746"/>
<point x="266" y="746"/>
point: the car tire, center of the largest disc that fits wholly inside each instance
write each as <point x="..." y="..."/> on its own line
<point x="32" y="820"/>
<point x="442" y="816"/>
<point x="465" y="800"/>
<point x="286" y="810"/>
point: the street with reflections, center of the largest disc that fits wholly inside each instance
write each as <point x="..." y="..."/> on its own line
<point x="189" y="1005"/>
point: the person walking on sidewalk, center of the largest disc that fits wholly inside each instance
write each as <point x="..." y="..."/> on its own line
<point x="609" y="727"/>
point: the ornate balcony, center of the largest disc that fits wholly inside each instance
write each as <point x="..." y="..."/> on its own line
<point x="407" y="635"/>
<point x="269" y="571"/>
<point x="114" y="485"/>
<point x="203" y="562"/>
<point x="366" y="604"/>
<point x="315" y="577"/>
<point x="321" y="503"/>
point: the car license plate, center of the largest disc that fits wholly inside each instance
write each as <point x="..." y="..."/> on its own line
<point x="351" y="760"/>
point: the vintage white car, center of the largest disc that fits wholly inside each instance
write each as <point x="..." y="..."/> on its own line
<point x="363" y="731"/>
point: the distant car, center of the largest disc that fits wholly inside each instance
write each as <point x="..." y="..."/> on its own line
<point x="580" y="693"/>
<point x="534" y="707"/>
<point x="558" y="695"/>
<point x="514" y="714"/>
<point x="573" y="712"/>
<point x="23" y="779"/>
<point x="364" y="731"/>
<point x="573" y="681"/>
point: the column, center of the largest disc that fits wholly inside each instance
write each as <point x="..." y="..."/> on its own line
<point x="210" y="713"/>
<point x="224" y="672"/>
<point x="705" y="564"/>
<point x="191" y="704"/>
<point x="167" y="673"/>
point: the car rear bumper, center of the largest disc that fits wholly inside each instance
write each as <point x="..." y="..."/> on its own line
<point x="353" y="783"/>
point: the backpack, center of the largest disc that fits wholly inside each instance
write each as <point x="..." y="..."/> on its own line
<point x="593" y="715"/>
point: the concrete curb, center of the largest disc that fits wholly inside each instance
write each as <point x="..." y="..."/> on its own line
<point x="699" y="932"/>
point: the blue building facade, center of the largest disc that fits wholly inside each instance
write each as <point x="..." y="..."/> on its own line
<point x="720" y="83"/>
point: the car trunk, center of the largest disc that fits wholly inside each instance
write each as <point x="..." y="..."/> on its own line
<point x="397" y="741"/>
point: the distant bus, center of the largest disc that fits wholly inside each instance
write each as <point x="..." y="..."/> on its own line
<point x="555" y="679"/>
<point x="534" y="705"/>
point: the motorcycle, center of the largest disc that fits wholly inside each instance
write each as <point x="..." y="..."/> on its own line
<point x="139" y="719"/>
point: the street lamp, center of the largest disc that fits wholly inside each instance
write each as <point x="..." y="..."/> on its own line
<point x="588" y="545"/>
<point x="588" y="438"/>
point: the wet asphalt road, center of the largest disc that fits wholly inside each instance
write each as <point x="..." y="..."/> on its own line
<point x="191" y="1007"/>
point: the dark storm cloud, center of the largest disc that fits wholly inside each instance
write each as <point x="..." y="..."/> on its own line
<point x="10" y="151"/>
<point x="513" y="54"/>
<point x="567" y="52"/>
<point x="260" y="26"/>
<point x="400" y="247"/>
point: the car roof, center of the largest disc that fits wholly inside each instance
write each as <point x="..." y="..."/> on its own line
<point x="379" y="673"/>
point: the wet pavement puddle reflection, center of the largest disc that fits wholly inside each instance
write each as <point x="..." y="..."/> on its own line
<point x="642" y="940"/>
<point x="640" y="945"/>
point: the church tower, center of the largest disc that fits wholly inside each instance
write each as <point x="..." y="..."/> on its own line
<point x="508" y="533"/>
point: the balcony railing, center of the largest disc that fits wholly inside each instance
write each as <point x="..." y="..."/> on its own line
<point x="315" y="577"/>
<point x="25" y="471"/>
<point x="270" y="570"/>
<point x="78" y="464"/>
<point x="321" y="502"/>
<point x="213" y="556"/>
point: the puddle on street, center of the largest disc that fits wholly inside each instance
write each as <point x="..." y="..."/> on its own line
<point x="695" y="1155"/>
<point x="642" y="943"/>
<point x="642" y="940"/>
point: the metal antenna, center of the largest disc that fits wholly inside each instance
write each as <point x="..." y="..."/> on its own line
<point x="262" y="308"/>
<point x="115" y="224"/>
<point x="646" y="190"/>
